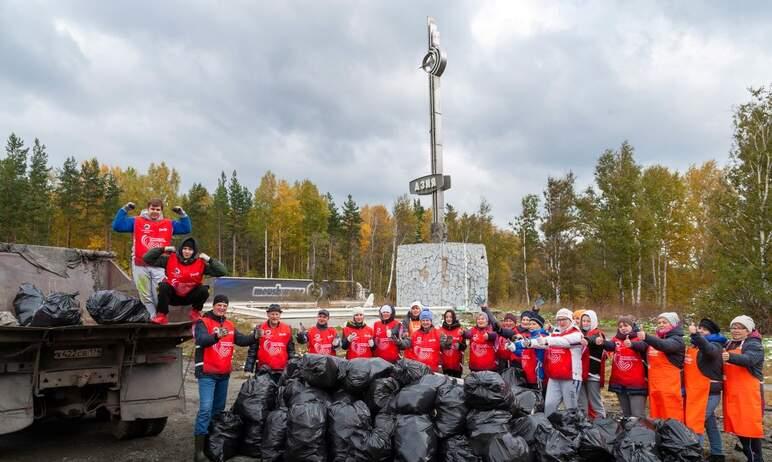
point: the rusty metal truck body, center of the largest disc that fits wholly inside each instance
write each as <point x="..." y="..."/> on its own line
<point x="129" y="373"/>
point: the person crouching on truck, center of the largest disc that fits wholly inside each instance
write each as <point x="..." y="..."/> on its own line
<point x="452" y="357"/>
<point x="628" y="369"/>
<point x="743" y="386"/>
<point x="214" y="338"/>
<point x="185" y="269"/>
<point x="274" y="345"/>
<point x="427" y="343"/>
<point x="149" y="230"/>
<point x="358" y="338"/>
<point x="593" y="366"/>
<point x="563" y="362"/>
<point x="322" y="339"/>
<point x="385" y="336"/>
<point x="703" y="380"/>
<point x="531" y="359"/>
<point x="482" y="344"/>
<point x="666" y="366"/>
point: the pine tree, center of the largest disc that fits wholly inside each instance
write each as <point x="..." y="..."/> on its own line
<point x="13" y="191"/>
<point x="38" y="202"/>
<point x="221" y="212"/>
<point x="111" y="202"/>
<point x="68" y="198"/>
<point x="351" y="223"/>
<point x="92" y="198"/>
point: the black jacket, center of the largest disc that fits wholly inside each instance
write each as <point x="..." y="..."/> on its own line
<point x="751" y="356"/>
<point x="672" y="345"/>
<point x="709" y="360"/>
<point x="204" y="339"/>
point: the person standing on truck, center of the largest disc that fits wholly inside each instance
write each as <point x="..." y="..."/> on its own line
<point x="452" y="357"/>
<point x="321" y="339"/>
<point x="385" y="338"/>
<point x="149" y="230"/>
<point x="358" y="339"/>
<point x="703" y="381"/>
<point x="185" y="269"/>
<point x="214" y="339"/>
<point x="665" y="358"/>
<point x="274" y="346"/>
<point x="744" y="386"/>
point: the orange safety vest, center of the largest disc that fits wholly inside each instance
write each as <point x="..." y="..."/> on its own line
<point x="743" y="406"/>
<point x="697" y="392"/>
<point x="665" y="399"/>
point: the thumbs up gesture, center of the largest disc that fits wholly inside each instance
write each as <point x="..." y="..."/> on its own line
<point x="302" y="327"/>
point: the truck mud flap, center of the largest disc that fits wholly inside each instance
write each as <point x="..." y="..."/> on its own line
<point x="16" y="406"/>
<point x="153" y="389"/>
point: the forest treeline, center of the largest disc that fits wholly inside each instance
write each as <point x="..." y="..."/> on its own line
<point x="696" y="241"/>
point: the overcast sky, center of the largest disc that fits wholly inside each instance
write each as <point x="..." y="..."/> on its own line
<point x="332" y="90"/>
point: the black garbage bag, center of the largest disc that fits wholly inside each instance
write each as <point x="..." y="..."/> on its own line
<point x="481" y="426"/>
<point x="380" y="392"/>
<point x="348" y="428"/>
<point x="569" y="422"/>
<point x="274" y="436"/>
<point x="415" y="399"/>
<point x="256" y="398"/>
<point x="437" y="381"/>
<point x="306" y="428"/>
<point x="291" y="371"/>
<point x="451" y="410"/>
<point x="361" y="372"/>
<point x="676" y="442"/>
<point x="526" y="401"/>
<point x="487" y="390"/>
<point x="58" y="309"/>
<point x="414" y="439"/>
<point x="251" y="439"/>
<point x="597" y="442"/>
<point x="638" y="443"/>
<point x="222" y="442"/>
<point x="408" y="372"/>
<point x="526" y="426"/>
<point x="320" y="371"/>
<point x="28" y="299"/>
<point x="379" y="442"/>
<point x="457" y="449"/>
<point x="514" y="377"/>
<point x="554" y="446"/>
<point x="113" y="307"/>
<point x="506" y="447"/>
<point x="297" y="392"/>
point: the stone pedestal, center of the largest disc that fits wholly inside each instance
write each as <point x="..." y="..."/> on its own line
<point x="446" y="274"/>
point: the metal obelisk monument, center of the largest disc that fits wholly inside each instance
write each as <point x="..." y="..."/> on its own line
<point x="435" y="184"/>
<point x="439" y="274"/>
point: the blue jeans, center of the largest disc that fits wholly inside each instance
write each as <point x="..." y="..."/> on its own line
<point x="711" y="426"/>
<point x="212" y="393"/>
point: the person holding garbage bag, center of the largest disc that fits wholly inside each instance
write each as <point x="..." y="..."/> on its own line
<point x="274" y="346"/>
<point x="452" y="357"/>
<point x="665" y="358"/>
<point x="386" y="346"/>
<point x="628" y="369"/>
<point x="743" y="386"/>
<point x="593" y="365"/>
<point x="703" y="380"/>
<point x="531" y="359"/>
<point x="215" y="337"/>
<point x="149" y="230"/>
<point x="358" y="339"/>
<point x="563" y="362"/>
<point x="321" y="339"/>
<point x="185" y="269"/>
<point x="482" y="344"/>
<point x="427" y="343"/>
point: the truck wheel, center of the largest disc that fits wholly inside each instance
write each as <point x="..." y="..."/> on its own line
<point x="153" y="427"/>
<point x="126" y="429"/>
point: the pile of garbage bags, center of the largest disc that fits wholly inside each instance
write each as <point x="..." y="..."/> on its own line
<point x="113" y="307"/>
<point x="326" y="409"/>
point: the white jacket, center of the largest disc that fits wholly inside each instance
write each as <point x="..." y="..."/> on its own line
<point x="572" y="340"/>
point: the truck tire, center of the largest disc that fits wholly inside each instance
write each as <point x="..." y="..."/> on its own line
<point x="154" y="426"/>
<point x="126" y="429"/>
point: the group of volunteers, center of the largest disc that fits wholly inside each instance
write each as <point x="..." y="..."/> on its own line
<point x="565" y="361"/>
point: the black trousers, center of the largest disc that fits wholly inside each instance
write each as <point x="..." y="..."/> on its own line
<point x="167" y="296"/>
<point x="752" y="449"/>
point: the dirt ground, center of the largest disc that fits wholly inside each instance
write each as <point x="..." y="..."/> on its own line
<point x="90" y="440"/>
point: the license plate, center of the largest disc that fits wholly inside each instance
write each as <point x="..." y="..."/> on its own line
<point x="79" y="353"/>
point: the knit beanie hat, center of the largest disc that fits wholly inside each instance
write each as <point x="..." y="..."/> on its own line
<point x="220" y="298"/>
<point x="426" y="314"/>
<point x="527" y="314"/>
<point x="745" y="321"/>
<point x="358" y="310"/>
<point x="564" y="313"/>
<point x="670" y="317"/>
<point x="536" y="317"/>
<point x="709" y="325"/>
<point x="386" y="309"/>
<point x="511" y="317"/>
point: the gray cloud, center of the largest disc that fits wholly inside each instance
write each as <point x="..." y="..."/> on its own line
<point x="331" y="91"/>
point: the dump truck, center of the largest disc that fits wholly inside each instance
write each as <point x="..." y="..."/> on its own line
<point x="130" y="374"/>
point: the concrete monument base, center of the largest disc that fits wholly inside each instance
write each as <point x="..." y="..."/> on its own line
<point x="445" y="274"/>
